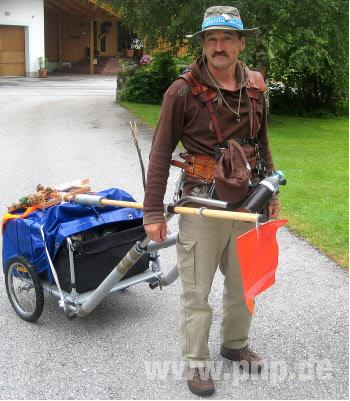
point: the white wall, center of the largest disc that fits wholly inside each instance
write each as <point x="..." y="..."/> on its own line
<point x="30" y="14"/>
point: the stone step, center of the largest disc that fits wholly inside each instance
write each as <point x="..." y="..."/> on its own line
<point x="107" y="66"/>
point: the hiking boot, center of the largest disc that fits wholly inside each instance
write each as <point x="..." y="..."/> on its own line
<point x="199" y="381"/>
<point x="249" y="360"/>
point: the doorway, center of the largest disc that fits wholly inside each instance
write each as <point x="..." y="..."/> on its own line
<point x="106" y="38"/>
<point x="12" y="53"/>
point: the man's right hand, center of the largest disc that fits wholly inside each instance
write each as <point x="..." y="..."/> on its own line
<point x="156" y="231"/>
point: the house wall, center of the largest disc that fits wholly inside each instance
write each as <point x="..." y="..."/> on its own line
<point x="163" y="47"/>
<point x="30" y="15"/>
<point x="74" y="36"/>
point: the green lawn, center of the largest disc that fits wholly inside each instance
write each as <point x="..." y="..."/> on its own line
<point x="313" y="153"/>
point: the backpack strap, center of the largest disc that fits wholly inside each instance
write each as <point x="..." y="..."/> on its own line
<point x="197" y="88"/>
<point x="206" y="96"/>
<point x="256" y="82"/>
<point x="255" y="89"/>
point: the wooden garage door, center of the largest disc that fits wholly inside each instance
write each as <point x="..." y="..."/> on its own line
<point x="12" y="60"/>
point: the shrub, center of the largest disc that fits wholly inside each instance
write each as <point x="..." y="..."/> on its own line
<point x="284" y="99"/>
<point x="149" y="82"/>
<point x="183" y="63"/>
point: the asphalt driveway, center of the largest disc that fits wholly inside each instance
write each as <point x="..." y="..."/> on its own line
<point x="67" y="127"/>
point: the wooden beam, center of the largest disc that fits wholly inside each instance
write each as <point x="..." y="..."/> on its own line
<point x="83" y="7"/>
<point x="60" y="7"/>
<point x="106" y="7"/>
<point x="50" y="7"/>
<point x="59" y="44"/>
<point x="92" y="47"/>
<point x="69" y="7"/>
<point x="77" y="8"/>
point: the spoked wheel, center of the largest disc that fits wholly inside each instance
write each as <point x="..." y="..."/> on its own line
<point x="24" y="289"/>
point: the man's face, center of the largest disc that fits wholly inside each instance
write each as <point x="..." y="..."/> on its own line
<point x="222" y="47"/>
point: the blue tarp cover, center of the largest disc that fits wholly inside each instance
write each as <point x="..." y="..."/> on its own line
<point x="22" y="237"/>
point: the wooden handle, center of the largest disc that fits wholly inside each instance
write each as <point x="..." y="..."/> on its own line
<point x="109" y="202"/>
<point x="192" y="211"/>
<point x="217" y="214"/>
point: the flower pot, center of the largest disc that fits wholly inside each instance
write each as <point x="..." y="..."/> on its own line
<point x="42" y="73"/>
<point x="139" y="52"/>
<point x="130" y="53"/>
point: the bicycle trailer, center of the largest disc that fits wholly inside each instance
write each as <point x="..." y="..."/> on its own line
<point x="69" y="249"/>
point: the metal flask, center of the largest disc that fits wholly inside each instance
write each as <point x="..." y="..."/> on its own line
<point x="259" y="198"/>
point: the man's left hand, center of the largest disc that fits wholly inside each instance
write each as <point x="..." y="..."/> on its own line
<point x="274" y="207"/>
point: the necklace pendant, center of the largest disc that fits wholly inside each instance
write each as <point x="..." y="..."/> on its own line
<point x="238" y="119"/>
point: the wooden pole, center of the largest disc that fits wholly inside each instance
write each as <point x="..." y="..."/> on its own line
<point x="192" y="211"/>
<point x="109" y="202"/>
<point x="217" y="214"/>
<point x="60" y="56"/>
<point x="134" y="136"/>
<point x="92" y="46"/>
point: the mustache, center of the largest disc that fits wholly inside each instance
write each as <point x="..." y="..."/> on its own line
<point x="223" y="53"/>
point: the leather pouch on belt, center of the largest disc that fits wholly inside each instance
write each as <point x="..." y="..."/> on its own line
<point x="249" y="151"/>
<point x="201" y="166"/>
<point x="232" y="174"/>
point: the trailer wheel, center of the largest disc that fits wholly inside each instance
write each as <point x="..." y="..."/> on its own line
<point x="24" y="289"/>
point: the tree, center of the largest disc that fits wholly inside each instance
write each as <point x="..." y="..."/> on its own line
<point x="302" y="44"/>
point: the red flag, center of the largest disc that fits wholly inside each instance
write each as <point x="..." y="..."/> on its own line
<point x="258" y="258"/>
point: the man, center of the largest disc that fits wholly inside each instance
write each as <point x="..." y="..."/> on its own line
<point x="203" y="244"/>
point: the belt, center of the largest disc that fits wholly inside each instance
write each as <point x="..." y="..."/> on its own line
<point x="203" y="166"/>
<point x="199" y="166"/>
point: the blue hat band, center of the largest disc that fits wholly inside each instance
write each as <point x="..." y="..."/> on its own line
<point x="221" y="21"/>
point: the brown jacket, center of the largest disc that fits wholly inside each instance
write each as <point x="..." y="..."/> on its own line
<point x="184" y="118"/>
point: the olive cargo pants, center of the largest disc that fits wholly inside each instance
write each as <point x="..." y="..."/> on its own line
<point x="203" y="244"/>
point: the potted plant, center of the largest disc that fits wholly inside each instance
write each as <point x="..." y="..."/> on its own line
<point x="130" y="53"/>
<point x="42" y="61"/>
<point x="137" y="46"/>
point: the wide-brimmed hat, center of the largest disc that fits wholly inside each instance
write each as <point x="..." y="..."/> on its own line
<point x="223" y="18"/>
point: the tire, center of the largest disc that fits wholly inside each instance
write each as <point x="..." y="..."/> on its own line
<point x="24" y="289"/>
